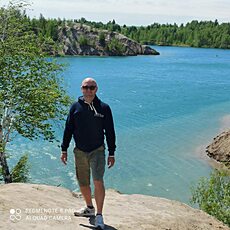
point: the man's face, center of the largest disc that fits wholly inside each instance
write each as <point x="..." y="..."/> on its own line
<point x="89" y="88"/>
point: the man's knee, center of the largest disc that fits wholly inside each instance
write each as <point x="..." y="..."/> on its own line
<point x="84" y="187"/>
<point x="83" y="182"/>
<point x="98" y="183"/>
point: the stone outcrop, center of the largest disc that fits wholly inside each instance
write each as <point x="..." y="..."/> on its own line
<point x="80" y="39"/>
<point x="219" y="149"/>
<point x="39" y="207"/>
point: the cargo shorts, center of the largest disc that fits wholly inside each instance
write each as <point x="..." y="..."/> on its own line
<point x="85" y="162"/>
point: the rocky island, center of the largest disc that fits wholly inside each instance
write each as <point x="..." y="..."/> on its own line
<point x="80" y="39"/>
<point x="37" y="206"/>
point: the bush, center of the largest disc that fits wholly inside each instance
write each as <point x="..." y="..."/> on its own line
<point x="116" y="47"/>
<point x="83" y="41"/>
<point x="20" y="172"/>
<point x="213" y="195"/>
<point x="102" y="39"/>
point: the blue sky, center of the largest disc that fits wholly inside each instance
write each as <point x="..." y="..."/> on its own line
<point x="133" y="12"/>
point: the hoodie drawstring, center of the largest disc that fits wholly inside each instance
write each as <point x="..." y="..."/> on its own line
<point x="91" y="107"/>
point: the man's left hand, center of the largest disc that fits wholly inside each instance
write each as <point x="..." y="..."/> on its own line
<point x="110" y="162"/>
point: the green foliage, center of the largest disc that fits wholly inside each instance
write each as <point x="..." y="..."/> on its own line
<point x="102" y="39"/>
<point x="32" y="99"/>
<point x="83" y="41"/>
<point x="194" y="33"/>
<point x="113" y="26"/>
<point x="213" y="195"/>
<point x="30" y="88"/>
<point x="47" y="28"/>
<point x="116" y="47"/>
<point x="20" y="172"/>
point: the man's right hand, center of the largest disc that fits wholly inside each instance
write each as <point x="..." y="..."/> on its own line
<point x="64" y="157"/>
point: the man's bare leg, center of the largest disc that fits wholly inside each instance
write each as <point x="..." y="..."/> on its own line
<point x="99" y="193"/>
<point x="86" y="192"/>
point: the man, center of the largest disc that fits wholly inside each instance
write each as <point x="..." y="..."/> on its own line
<point x="88" y="120"/>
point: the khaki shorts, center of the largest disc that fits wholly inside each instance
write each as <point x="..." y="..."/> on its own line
<point x="86" y="162"/>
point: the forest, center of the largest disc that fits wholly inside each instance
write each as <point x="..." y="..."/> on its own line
<point x="207" y="34"/>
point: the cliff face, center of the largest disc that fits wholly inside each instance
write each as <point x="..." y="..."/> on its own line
<point x="84" y="40"/>
<point x="219" y="149"/>
<point x="36" y="206"/>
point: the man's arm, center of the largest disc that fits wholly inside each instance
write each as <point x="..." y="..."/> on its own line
<point x="110" y="136"/>
<point x="67" y="136"/>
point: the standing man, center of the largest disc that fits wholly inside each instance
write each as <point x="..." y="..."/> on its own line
<point x="88" y="121"/>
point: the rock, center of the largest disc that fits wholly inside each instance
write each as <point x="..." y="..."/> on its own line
<point x="219" y="149"/>
<point x="36" y="206"/>
<point x="84" y="40"/>
<point x="147" y="50"/>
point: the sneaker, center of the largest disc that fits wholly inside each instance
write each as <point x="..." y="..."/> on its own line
<point x="99" y="223"/>
<point x="85" y="212"/>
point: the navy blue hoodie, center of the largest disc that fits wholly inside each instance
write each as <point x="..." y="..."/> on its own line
<point x="88" y="123"/>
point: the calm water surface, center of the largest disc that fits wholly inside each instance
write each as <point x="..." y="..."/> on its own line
<point x="166" y="109"/>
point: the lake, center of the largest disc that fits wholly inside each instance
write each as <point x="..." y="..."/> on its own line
<point x="166" y="110"/>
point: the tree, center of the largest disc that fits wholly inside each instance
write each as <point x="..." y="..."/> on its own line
<point x="31" y="96"/>
<point x="195" y="33"/>
<point x="213" y="195"/>
<point x="20" y="172"/>
<point x="102" y="39"/>
<point x="83" y="41"/>
<point x="115" y="47"/>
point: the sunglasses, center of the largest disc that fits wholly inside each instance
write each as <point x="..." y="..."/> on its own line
<point x="91" y="87"/>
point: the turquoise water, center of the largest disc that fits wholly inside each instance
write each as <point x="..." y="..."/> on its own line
<point x="166" y="108"/>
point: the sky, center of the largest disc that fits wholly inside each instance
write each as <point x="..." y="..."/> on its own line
<point x="132" y="12"/>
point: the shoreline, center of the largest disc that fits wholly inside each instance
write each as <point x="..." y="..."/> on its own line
<point x="201" y="152"/>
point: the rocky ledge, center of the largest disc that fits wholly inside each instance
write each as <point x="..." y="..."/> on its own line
<point x="36" y="206"/>
<point x="219" y="149"/>
<point x="79" y="39"/>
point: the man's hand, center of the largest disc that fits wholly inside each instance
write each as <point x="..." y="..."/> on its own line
<point x="111" y="161"/>
<point x="64" y="157"/>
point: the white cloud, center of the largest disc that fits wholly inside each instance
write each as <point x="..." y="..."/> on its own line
<point x="134" y="12"/>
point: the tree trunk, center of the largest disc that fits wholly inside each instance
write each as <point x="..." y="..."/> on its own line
<point x="5" y="169"/>
<point x="3" y="162"/>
